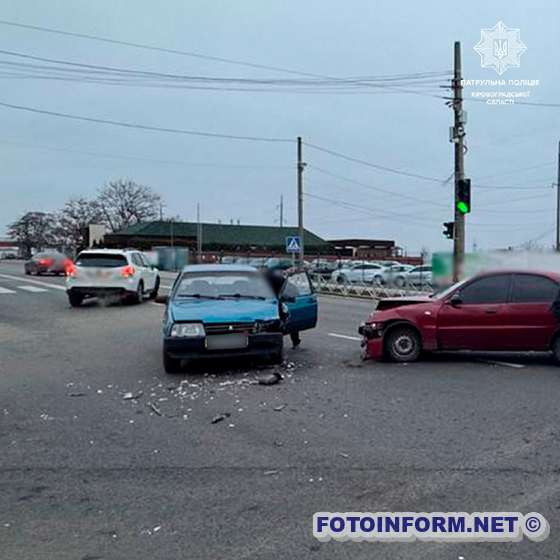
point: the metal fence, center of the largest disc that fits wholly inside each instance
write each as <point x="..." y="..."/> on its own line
<point x="324" y="285"/>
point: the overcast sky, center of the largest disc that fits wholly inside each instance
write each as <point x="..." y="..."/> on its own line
<point x="244" y="180"/>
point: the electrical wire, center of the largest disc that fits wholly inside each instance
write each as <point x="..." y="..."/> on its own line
<point x="143" y="126"/>
<point x="374" y="165"/>
<point x="378" y="189"/>
<point x="145" y="159"/>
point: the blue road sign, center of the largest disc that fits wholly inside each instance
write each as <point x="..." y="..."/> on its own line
<point x="293" y="244"/>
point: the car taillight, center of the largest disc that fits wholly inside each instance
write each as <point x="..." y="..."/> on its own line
<point x="70" y="268"/>
<point x="128" y="271"/>
<point x="46" y="262"/>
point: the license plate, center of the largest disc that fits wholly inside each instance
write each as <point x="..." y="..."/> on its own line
<point x="226" y="341"/>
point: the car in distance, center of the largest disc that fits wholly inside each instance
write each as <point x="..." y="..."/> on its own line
<point x="277" y="263"/>
<point x="395" y="275"/>
<point x="111" y="272"/>
<point x="494" y="311"/>
<point x="419" y="276"/>
<point x="323" y="267"/>
<point x="232" y="310"/>
<point x="47" y="262"/>
<point x="359" y="272"/>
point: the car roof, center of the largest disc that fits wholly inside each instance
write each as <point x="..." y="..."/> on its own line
<point x="547" y="273"/>
<point x="219" y="268"/>
<point x="107" y="251"/>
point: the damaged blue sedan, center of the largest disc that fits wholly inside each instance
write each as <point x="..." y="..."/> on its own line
<point x="226" y="311"/>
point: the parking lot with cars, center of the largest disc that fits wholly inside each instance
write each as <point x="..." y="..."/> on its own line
<point x="225" y="450"/>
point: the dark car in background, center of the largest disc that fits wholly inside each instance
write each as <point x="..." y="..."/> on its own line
<point x="47" y="262"/>
<point x="515" y="311"/>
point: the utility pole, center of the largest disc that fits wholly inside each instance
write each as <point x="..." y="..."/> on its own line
<point x="458" y="140"/>
<point x="300" y="168"/>
<point x="198" y="234"/>
<point x="281" y="211"/>
<point x="558" y="203"/>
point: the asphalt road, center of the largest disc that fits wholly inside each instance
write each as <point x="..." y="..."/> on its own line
<point x="86" y="474"/>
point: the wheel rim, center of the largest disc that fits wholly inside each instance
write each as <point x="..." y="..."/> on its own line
<point x="404" y="345"/>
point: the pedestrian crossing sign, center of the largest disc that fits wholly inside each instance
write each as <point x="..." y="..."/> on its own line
<point x="293" y="244"/>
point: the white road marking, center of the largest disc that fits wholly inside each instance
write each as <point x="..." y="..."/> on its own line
<point x="345" y="336"/>
<point x="29" y="281"/>
<point x="6" y="291"/>
<point x="33" y="289"/>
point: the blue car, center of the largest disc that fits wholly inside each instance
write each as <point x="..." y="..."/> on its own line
<point x="228" y="310"/>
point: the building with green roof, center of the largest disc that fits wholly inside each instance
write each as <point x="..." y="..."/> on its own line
<point x="224" y="238"/>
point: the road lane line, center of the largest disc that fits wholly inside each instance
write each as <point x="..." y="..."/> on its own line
<point x="29" y="281"/>
<point x="32" y="289"/>
<point x="6" y="291"/>
<point x="345" y="336"/>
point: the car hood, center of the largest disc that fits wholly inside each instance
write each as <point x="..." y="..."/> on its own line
<point x="223" y="310"/>
<point x="390" y="303"/>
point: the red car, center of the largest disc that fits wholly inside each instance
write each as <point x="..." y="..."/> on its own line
<point x="505" y="310"/>
<point x="47" y="262"/>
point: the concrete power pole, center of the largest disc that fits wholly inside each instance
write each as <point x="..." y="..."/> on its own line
<point x="198" y="234"/>
<point x="281" y="211"/>
<point x="300" y="168"/>
<point x="558" y="203"/>
<point x="458" y="139"/>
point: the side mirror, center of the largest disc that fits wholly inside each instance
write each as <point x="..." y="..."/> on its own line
<point x="455" y="300"/>
<point x="162" y="298"/>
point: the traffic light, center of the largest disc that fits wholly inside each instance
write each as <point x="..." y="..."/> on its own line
<point x="464" y="196"/>
<point x="449" y="229"/>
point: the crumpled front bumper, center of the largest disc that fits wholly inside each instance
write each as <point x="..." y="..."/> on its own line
<point x="261" y="344"/>
<point x="372" y="342"/>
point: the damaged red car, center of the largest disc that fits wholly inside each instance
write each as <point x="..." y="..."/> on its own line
<point x="512" y="311"/>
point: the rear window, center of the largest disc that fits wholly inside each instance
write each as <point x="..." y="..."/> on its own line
<point x="101" y="260"/>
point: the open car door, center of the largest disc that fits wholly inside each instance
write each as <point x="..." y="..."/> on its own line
<point x="297" y="293"/>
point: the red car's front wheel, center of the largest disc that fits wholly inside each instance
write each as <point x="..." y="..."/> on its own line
<point x="403" y="344"/>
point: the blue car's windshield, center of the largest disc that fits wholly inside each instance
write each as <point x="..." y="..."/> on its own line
<point x="218" y="285"/>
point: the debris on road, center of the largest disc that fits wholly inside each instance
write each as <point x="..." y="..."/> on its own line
<point x="131" y="396"/>
<point x="279" y="407"/>
<point x="345" y="455"/>
<point x="220" y="417"/>
<point x="154" y="408"/>
<point x="76" y="394"/>
<point x="269" y="473"/>
<point x="270" y="378"/>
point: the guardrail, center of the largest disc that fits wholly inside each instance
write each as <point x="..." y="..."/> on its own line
<point x="324" y="285"/>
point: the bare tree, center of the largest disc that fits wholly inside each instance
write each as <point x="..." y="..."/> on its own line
<point x="74" y="219"/>
<point x="124" y="203"/>
<point x="34" y="230"/>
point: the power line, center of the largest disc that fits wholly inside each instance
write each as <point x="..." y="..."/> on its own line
<point x="59" y="65"/>
<point x="150" y="47"/>
<point x="145" y="159"/>
<point x="143" y="126"/>
<point x="510" y="187"/>
<point x="374" y="165"/>
<point x="164" y="49"/>
<point x="371" y="211"/>
<point x="379" y="189"/>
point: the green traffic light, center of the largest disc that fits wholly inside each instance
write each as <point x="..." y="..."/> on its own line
<point x="462" y="207"/>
